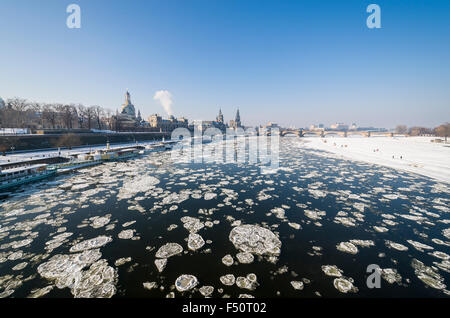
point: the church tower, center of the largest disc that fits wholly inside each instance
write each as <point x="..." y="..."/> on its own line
<point x="220" y="117"/>
<point x="238" y="119"/>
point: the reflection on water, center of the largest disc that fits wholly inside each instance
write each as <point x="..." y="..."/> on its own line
<point x="152" y="227"/>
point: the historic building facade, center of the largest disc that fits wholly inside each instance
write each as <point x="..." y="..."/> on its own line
<point x="156" y="121"/>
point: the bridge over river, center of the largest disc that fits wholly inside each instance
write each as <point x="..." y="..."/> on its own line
<point x="323" y="133"/>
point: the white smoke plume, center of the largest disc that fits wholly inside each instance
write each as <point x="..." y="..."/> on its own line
<point x="165" y="98"/>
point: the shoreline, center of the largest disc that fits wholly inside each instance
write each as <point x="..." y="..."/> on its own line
<point x="411" y="154"/>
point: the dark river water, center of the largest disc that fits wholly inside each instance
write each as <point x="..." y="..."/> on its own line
<point x="313" y="204"/>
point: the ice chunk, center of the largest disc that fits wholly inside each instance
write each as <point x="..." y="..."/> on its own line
<point x="255" y="239"/>
<point x="168" y="250"/>
<point x="298" y="285"/>
<point x="228" y="260"/>
<point x="347" y="247"/>
<point x="332" y="270"/>
<point x="161" y="264"/>
<point x="245" y="258"/>
<point x="344" y="285"/>
<point x="186" y="282"/>
<point x="91" y="244"/>
<point x="228" y="279"/>
<point x="195" y="241"/>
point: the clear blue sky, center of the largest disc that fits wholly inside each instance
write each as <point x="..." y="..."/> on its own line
<point x="291" y="62"/>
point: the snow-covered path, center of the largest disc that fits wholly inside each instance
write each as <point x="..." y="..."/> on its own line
<point x="419" y="154"/>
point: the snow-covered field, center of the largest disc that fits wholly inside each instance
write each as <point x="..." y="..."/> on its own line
<point x="418" y="154"/>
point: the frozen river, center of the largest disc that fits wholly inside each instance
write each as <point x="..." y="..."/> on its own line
<point x="133" y="229"/>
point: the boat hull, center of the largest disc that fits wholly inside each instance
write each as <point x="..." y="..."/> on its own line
<point x="25" y="180"/>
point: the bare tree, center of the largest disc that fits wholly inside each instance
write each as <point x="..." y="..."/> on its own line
<point x="81" y="111"/>
<point x="90" y="114"/>
<point x="49" y="116"/>
<point x="19" y="113"/>
<point x="67" y="116"/>
<point x="401" y="129"/>
<point x="17" y="107"/>
<point x="34" y="119"/>
<point x="109" y="119"/>
<point x="59" y="109"/>
<point x="18" y="104"/>
<point x="419" y="131"/>
<point x="98" y="112"/>
<point x="443" y="130"/>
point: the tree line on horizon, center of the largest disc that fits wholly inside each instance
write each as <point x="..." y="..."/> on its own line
<point x="21" y="113"/>
<point x="440" y="131"/>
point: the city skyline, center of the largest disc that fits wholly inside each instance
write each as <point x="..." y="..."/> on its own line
<point x="293" y="63"/>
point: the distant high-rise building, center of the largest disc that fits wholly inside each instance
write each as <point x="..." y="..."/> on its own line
<point x="2" y="103"/>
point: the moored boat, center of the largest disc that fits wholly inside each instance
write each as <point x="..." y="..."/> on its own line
<point x="10" y="178"/>
<point x="110" y="155"/>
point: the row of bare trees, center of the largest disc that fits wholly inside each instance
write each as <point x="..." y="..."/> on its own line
<point x="440" y="131"/>
<point x="21" y="113"/>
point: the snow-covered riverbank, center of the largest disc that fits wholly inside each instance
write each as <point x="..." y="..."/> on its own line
<point x="412" y="154"/>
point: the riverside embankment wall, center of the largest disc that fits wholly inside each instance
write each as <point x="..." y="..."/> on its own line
<point x="52" y="141"/>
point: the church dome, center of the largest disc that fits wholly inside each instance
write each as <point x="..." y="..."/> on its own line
<point x="128" y="107"/>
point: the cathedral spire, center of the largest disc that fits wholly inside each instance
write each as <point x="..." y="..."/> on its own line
<point x="139" y="118"/>
<point x="220" y="117"/>
<point x="238" y="116"/>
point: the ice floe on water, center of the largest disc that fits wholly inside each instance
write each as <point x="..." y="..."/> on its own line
<point x="347" y="247"/>
<point x="169" y="250"/>
<point x="126" y="234"/>
<point x="206" y="290"/>
<point x="80" y="232"/>
<point x="210" y="196"/>
<point x="142" y="183"/>
<point x="192" y="224"/>
<point x="419" y="246"/>
<point x="396" y="246"/>
<point x="428" y="275"/>
<point x="228" y="279"/>
<point x="332" y="270"/>
<point x="249" y="282"/>
<point x="186" y="282"/>
<point x="245" y="257"/>
<point x="344" y="285"/>
<point x="391" y="275"/>
<point x="122" y="261"/>
<point x="161" y="264"/>
<point x="67" y="271"/>
<point x="298" y="285"/>
<point x="195" y="241"/>
<point x="91" y="243"/>
<point x="150" y="285"/>
<point x="228" y="260"/>
<point x="175" y="198"/>
<point x="255" y="239"/>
